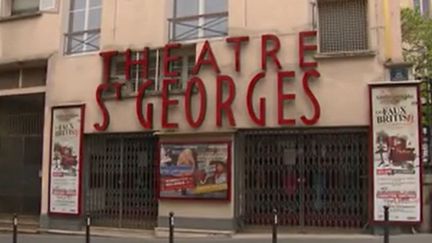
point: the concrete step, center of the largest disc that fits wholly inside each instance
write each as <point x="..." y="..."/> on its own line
<point x="26" y="224"/>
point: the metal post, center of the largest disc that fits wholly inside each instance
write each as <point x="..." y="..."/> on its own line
<point x="429" y="119"/>
<point x="275" y="223"/>
<point x="386" y="224"/>
<point x="15" y="228"/>
<point x="171" y="227"/>
<point x="88" y="223"/>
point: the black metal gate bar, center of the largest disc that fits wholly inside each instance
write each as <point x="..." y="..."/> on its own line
<point x="121" y="180"/>
<point x="313" y="177"/>
<point x="21" y="158"/>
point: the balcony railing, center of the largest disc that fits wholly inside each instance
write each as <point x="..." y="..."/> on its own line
<point x="198" y="26"/>
<point x="82" y="41"/>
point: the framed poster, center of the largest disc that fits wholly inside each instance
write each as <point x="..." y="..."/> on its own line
<point x="195" y="171"/>
<point x="396" y="159"/>
<point x="66" y="160"/>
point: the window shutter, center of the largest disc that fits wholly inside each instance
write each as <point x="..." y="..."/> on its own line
<point x="47" y="5"/>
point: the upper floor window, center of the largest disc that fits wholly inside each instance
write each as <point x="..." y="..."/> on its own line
<point x="423" y="6"/>
<point x="84" y="26"/>
<point x="193" y="19"/>
<point x="184" y="67"/>
<point x="26" y="76"/>
<point x="342" y="25"/>
<point x="24" y="6"/>
<point x="15" y="8"/>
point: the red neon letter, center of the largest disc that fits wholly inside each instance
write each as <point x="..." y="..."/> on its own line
<point x="166" y="102"/>
<point x="282" y="97"/>
<point x="143" y="63"/>
<point x="106" y="58"/>
<point x="269" y="53"/>
<point x="203" y="102"/>
<point x="167" y="59"/>
<point x="148" y="121"/>
<point x="261" y="120"/>
<point x="303" y="48"/>
<point x="313" y="99"/>
<point x="224" y="105"/>
<point x="211" y="60"/>
<point x="105" y="114"/>
<point x="237" y="44"/>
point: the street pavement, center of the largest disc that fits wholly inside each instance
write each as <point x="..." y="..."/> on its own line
<point x="262" y="238"/>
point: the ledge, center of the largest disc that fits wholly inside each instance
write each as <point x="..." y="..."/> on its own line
<point x="133" y="95"/>
<point x="20" y="16"/>
<point x="347" y="54"/>
<point x="398" y="64"/>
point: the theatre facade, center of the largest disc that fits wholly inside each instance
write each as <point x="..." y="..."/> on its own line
<point x="226" y="110"/>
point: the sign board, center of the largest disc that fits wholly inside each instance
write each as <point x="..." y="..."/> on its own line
<point x="66" y="160"/>
<point x="195" y="171"/>
<point x="396" y="163"/>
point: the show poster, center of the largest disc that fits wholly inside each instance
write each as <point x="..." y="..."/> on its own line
<point x="195" y="171"/>
<point x="66" y="133"/>
<point x="396" y="152"/>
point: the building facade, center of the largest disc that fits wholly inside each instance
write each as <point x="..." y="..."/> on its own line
<point x="256" y="104"/>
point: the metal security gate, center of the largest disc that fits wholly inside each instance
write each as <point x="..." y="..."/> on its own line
<point x="314" y="178"/>
<point x="121" y="181"/>
<point x="20" y="163"/>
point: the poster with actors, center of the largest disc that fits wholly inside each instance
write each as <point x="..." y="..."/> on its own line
<point x="65" y="159"/>
<point x="195" y="171"/>
<point x="396" y="152"/>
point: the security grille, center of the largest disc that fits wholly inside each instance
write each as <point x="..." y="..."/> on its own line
<point x="342" y="25"/>
<point x="314" y="178"/>
<point x="20" y="161"/>
<point x="121" y="180"/>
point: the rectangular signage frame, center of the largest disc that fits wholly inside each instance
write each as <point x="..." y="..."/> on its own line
<point x="188" y="145"/>
<point x="373" y="218"/>
<point x="55" y="145"/>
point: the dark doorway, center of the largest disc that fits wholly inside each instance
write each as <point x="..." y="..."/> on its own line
<point x="21" y="143"/>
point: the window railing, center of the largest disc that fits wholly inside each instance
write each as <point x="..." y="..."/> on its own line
<point x="198" y="26"/>
<point x="82" y="41"/>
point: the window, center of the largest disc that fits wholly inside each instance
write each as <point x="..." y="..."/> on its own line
<point x="155" y="69"/>
<point x="17" y="8"/>
<point x="24" y="6"/>
<point x="24" y="77"/>
<point x="84" y="26"/>
<point x="342" y="25"/>
<point x="423" y="6"/>
<point x="193" y="19"/>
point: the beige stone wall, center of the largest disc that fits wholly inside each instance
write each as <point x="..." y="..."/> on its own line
<point x="341" y="90"/>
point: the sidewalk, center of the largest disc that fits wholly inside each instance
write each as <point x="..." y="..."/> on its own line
<point x="238" y="238"/>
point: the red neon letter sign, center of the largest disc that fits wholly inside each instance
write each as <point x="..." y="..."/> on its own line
<point x="211" y="60"/>
<point x="167" y="58"/>
<point x="203" y="102"/>
<point x="269" y="53"/>
<point x="166" y="102"/>
<point x="303" y="48"/>
<point x="105" y="114"/>
<point x="236" y="41"/>
<point x="106" y="59"/>
<point x="315" y="104"/>
<point x="282" y="97"/>
<point x="146" y="122"/>
<point x="224" y="105"/>
<point x="143" y="63"/>
<point x="261" y="120"/>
